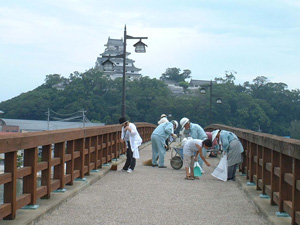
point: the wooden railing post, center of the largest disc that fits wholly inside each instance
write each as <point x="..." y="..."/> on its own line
<point x="115" y="146"/>
<point x="252" y="166"/>
<point x="46" y="174"/>
<point x="100" y="147"/>
<point x="10" y="188"/>
<point x="274" y="178"/>
<point x="296" y="192"/>
<point x="285" y="190"/>
<point x="70" y="163"/>
<point x="94" y="152"/>
<point x="59" y="170"/>
<point x="266" y="174"/>
<point x="247" y="154"/>
<point x="30" y="181"/>
<point x="109" y="149"/>
<point x="87" y="152"/>
<point x="258" y="167"/>
<point x="79" y="162"/>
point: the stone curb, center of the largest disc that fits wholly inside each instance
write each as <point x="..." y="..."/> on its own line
<point x="262" y="204"/>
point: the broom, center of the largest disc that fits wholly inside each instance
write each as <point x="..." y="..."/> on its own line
<point x="148" y="162"/>
<point x="114" y="167"/>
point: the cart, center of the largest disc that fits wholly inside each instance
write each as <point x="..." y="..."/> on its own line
<point x="176" y="158"/>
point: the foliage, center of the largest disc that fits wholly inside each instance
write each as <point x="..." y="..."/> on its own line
<point x="258" y="105"/>
<point x="295" y="129"/>
<point x="184" y="85"/>
<point x="175" y="75"/>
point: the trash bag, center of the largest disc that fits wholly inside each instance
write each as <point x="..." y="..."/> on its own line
<point x="221" y="170"/>
<point x="197" y="169"/>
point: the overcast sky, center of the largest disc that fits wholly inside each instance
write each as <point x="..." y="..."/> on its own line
<point x="252" y="37"/>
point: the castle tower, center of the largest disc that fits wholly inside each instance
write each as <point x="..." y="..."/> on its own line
<point x="113" y="48"/>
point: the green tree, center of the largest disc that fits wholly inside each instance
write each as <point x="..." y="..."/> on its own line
<point x="295" y="129"/>
<point x="175" y="75"/>
<point x="184" y="85"/>
<point x="53" y="79"/>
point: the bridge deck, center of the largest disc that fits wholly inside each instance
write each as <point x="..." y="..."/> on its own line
<point x="149" y="196"/>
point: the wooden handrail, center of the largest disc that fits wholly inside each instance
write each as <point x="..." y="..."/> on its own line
<point x="273" y="164"/>
<point x="70" y="154"/>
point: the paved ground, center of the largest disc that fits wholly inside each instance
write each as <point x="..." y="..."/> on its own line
<point x="150" y="196"/>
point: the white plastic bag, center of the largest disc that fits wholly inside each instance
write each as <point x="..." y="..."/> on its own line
<point x="202" y="170"/>
<point x="221" y="170"/>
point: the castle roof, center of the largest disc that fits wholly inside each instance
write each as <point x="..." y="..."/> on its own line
<point x="114" y="42"/>
<point x="199" y="82"/>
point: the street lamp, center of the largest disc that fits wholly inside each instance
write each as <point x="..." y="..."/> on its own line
<point x="218" y="101"/>
<point x="140" y="47"/>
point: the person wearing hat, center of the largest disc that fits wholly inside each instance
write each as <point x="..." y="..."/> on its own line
<point x="133" y="140"/>
<point x="163" y="119"/>
<point x="215" y="146"/>
<point x="196" y="132"/>
<point x="231" y="146"/>
<point x="158" y="138"/>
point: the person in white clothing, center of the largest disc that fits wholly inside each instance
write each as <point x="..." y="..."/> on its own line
<point x="190" y="147"/>
<point x="133" y="140"/>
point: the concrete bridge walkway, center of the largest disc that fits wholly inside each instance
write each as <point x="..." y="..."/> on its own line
<point x="150" y="196"/>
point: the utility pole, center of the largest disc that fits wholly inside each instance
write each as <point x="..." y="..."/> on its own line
<point x="83" y="118"/>
<point x="48" y="120"/>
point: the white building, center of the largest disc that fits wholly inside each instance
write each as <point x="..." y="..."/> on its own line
<point x="114" y="47"/>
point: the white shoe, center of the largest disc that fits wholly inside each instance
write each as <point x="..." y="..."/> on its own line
<point x="122" y="170"/>
<point x="129" y="170"/>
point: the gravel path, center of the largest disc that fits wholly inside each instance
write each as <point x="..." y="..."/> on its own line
<point x="158" y="196"/>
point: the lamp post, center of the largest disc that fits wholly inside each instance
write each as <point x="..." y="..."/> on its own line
<point x="218" y="101"/>
<point x="0" y="121"/>
<point x="140" y="47"/>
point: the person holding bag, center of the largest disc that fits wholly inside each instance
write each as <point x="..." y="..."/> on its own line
<point x="233" y="148"/>
<point x="190" y="147"/>
<point x="133" y="140"/>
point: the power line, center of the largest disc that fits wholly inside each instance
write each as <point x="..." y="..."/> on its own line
<point x="78" y="116"/>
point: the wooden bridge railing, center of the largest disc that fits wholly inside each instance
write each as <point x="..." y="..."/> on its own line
<point x="273" y="164"/>
<point x="65" y="156"/>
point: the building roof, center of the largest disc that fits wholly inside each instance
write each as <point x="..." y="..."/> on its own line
<point x="114" y="42"/>
<point x="42" y="125"/>
<point x="113" y="49"/>
<point x="7" y="133"/>
<point x="112" y="53"/>
<point x="200" y="82"/>
<point x="166" y="81"/>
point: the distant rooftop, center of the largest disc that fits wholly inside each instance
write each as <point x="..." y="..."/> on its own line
<point x="42" y="125"/>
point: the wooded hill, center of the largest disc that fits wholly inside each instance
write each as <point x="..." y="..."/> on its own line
<point x="258" y="105"/>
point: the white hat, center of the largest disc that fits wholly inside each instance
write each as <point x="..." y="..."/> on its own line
<point x="175" y="123"/>
<point x="184" y="121"/>
<point x="163" y="115"/>
<point x="214" y="134"/>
